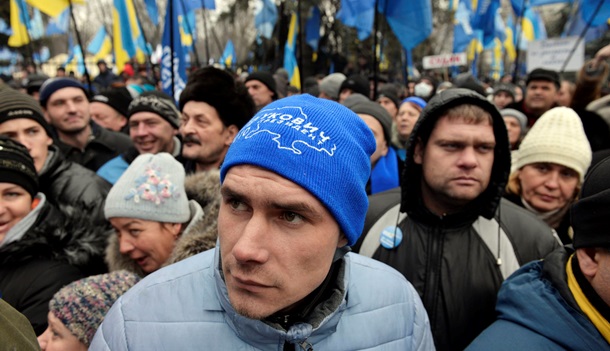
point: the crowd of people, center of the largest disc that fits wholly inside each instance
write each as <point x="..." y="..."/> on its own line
<point x="356" y="214"/>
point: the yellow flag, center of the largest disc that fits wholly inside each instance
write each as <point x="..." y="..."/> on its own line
<point x="53" y="8"/>
<point x="20" y="35"/>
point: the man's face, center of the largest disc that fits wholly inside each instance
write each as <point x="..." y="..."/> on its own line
<point x="31" y="135"/>
<point x="344" y="94"/>
<point x="540" y="95"/>
<point x="150" y="133"/>
<point x="502" y="99"/>
<point x="205" y="137"/>
<point x="277" y="241"/>
<point x="68" y="110"/>
<point x="596" y="269"/>
<point x="456" y="163"/>
<point x="377" y="129"/>
<point x="388" y="105"/>
<point x="107" y="117"/>
<point x="259" y="92"/>
<point x="564" y="96"/>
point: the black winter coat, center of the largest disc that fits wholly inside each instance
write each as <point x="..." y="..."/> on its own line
<point x="68" y="184"/>
<point x="51" y="254"/>
<point x="456" y="262"/>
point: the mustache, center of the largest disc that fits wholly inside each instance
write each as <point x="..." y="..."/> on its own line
<point x="191" y="139"/>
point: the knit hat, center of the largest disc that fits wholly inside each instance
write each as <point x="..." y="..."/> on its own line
<point x="516" y="114"/>
<point x="54" y="84"/>
<point x="590" y="215"/>
<point x="331" y="83"/>
<point x="265" y="78"/>
<point x="544" y="74"/>
<point x="158" y="103"/>
<point x="17" y="166"/>
<point x="556" y="137"/>
<point x="356" y="83"/>
<point x="376" y="111"/>
<point x="415" y="100"/>
<point x="152" y="189"/>
<point x="119" y="99"/>
<point x="14" y="104"/>
<point x="82" y="305"/>
<point x="390" y="93"/>
<point x="218" y="89"/>
<point x="316" y="143"/>
<point x="506" y="87"/>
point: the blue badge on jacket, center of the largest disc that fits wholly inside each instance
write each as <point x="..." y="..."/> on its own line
<point x="391" y="237"/>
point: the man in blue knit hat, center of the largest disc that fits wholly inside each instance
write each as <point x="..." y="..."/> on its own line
<point x="281" y="277"/>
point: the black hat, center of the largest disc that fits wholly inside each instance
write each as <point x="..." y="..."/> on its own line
<point x="265" y="78"/>
<point x="158" y="103"/>
<point x="390" y="93"/>
<point x="591" y="213"/>
<point x="14" y="104"/>
<point x="356" y="83"/>
<point x="218" y="89"/>
<point x="376" y="111"/>
<point x="117" y="98"/>
<point x="506" y="87"/>
<point x="544" y="74"/>
<point x="17" y="166"/>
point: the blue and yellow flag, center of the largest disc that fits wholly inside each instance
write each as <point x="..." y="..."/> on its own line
<point x="265" y="16"/>
<point x="59" y="24"/>
<point x="312" y="30"/>
<point x="20" y="23"/>
<point x="100" y="46"/>
<point x="228" y="57"/>
<point x="53" y="8"/>
<point x="125" y="31"/>
<point x="290" y="58"/>
<point x="173" y="63"/>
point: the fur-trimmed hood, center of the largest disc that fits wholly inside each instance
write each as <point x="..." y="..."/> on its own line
<point x="200" y="234"/>
<point x="73" y="240"/>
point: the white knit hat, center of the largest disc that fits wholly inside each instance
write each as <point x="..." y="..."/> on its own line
<point x="152" y="189"/>
<point x="556" y="137"/>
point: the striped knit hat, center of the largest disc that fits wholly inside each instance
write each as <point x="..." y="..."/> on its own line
<point x="14" y="104"/>
<point x="82" y="305"/>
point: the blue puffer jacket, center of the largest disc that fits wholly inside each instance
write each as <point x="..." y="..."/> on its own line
<point x="536" y="311"/>
<point x="185" y="307"/>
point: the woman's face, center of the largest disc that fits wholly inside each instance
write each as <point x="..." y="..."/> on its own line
<point x="406" y="119"/>
<point x="57" y="337"/>
<point x="148" y="243"/>
<point x="514" y="130"/>
<point x="548" y="186"/>
<point x="15" y="203"/>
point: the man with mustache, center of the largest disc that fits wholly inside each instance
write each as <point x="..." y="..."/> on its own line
<point x="541" y="91"/>
<point x="446" y="229"/>
<point x="153" y="122"/>
<point x="281" y="277"/>
<point x="214" y="108"/>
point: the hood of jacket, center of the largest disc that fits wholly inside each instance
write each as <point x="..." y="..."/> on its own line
<point x="537" y="297"/>
<point x="200" y="234"/>
<point x="487" y="202"/>
<point x="72" y="239"/>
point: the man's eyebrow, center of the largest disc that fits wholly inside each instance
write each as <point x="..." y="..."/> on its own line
<point x="227" y="192"/>
<point x="298" y="207"/>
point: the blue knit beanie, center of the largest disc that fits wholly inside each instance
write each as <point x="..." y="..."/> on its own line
<point x="54" y="84"/>
<point x="318" y="144"/>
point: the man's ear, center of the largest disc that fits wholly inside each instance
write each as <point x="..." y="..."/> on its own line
<point x="418" y="154"/>
<point x="46" y="115"/>
<point x="233" y="130"/>
<point x="588" y="258"/>
<point x="342" y="240"/>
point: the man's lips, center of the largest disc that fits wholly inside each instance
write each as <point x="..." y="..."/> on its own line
<point x="248" y="284"/>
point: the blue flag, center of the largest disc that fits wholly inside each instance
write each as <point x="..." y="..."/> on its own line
<point x="228" y="57"/>
<point x="59" y="24"/>
<point x="411" y="21"/>
<point x="98" y="40"/>
<point x="312" y="29"/>
<point x="265" y="17"/>
<point x="153" y="11"/>
<point x="5" y="28"/>
<point x="198" y="4"/>
<point x="173" y="68"/>
<point x="462" y="31"/>
<point x="577" y="24"/>
<point x="359" y="14"/>
<point x="588" y="8"/>
<point x="483" y="18"/>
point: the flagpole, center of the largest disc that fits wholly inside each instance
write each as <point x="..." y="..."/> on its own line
<point x="300" y="64"/>
<point x="80" y="44"/>
<point x="170" y="8"/>
<point x="376" y="28"/>
<point x="582" y="34"/>
<point x="205" y="33"/>
<point x="519" y="24"/>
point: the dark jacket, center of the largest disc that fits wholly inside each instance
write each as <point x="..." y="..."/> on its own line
<point x="52" y="253"/>
<point x="104" y="80"/>
<point x="537" y="311"/>
<point x="596" y="129"/>
<point x="67" y="184"/>
<point x="104" y="146"/>
<point x="456" y="262"/>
